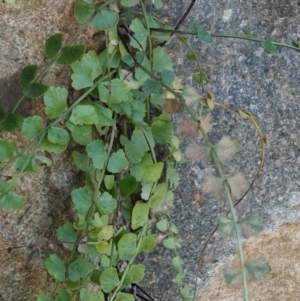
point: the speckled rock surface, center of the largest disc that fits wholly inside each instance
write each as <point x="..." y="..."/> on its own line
<point x="24" y="26"/>
<point x="241" y="75"/>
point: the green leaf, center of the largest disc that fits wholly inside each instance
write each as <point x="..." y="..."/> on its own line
<point x="146" y="191"/>
<point x="12" y="201"/>
<point x="109" y="279"/>
<point x="140" y="75"/>
<point x="55" y="100"/>
<point x="83" y="11"/>
<point x="109" y="181"/>
<point x="169" y="243"/>
<point x="127" y="186"/>
<point x="122" y="108"/>
<point x="226" y="225"/>
<point x="7" y="149"/>
<point x="104" y="116"/>
<point x="116" y="88"/>
<point x="133" y="153"/>
<point x="128" y="59"/>
<point x="158" y="3"/>
<point x="136" y="273"/>
<point x="139" y="39"/>
<point x="162" y="225"/>
<point x="202" y="34"/>
<point x="53" y="45"/>
<point x="97" y="153"/>
<point x="139" y="169"/>
<point x="167" y="77"/>
<point x="6" y="186"/>
<point x="84" y="114"/>
<point x="129" y="3"/>
<point x="174" y="228"/>
<point x="105" y="20"/>
<point x="152" y="86"/>
<point x="295" y="44"/>
<point x="139" y="215"/>
<point x="247" y="32"/>
<point x="199" y="80"/>
<point x="191" y="56"/>
<point x="86" y="70"/>
<point x="162" y="60"/>
<point x="162" y="129"/>
<point x="106" y="233"/>
<point x="148" y="243"/>
<point x="172" y="176"/>
<point x="179" y="278"/>
<point x="32" y="127"/>
<point x="85" y="295"/>
<point x="114" y="59"/>
<point x="79" y="268"/>
<point x="232" y="275"/>
<point x="12" y="122"/>
<point x="28" y="75"/>
<point x="58" y="135"/>
<point x="127" y="246"/>
<point x="82" y="134"/>
<point x="153" y="173"/>
<point x="81" y="199"/>
<point x="184" y="291"/>
<point x="177" y="262"/>
<point x="159" y="195"/>
<point x="67" y="234"/>
<point x="251" y="225"/>
<point x="52" y="147"/>
<point x="72" y="286"/>
<point x="55" y="267"/>
<point x="117" y="162"/>
<point x="268" y="46"/>
<point x="44" y="298"/>
<point x="258" y="268"/>
<point x="81" y="160"/>
<point x="35" y="90"/>
<point x="63" y="296"/>
<point x="106" y="204"/>
<point x="138" y="139"/>
<point x="124" y="297"/>
<point x="31" y="165"/>
<point x="70" y="54"/>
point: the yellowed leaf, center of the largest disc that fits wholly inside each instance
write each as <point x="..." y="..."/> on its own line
<point x="212" y="186"/>
<point x="177" y="84"/>
<point x="211" y="95"/>
<point x="187" y="128"/>
<point x="190" y="95"/>
<point x="198" y="153"/>
<point x="172" y="106"/>
<point x="238" y="185"/>
<point x="205" y="123"/>
<point x="210" y="103"/>
<point x="226" y="148"/>
<point x="169" y="95"/>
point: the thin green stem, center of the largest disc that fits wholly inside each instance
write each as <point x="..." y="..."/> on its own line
<point x="219" y="171"/>
<point x="202" y="73"/>
<point x="145" y="227"/>
<point x="222" y="35"/>
<point x="149" y="55"/>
